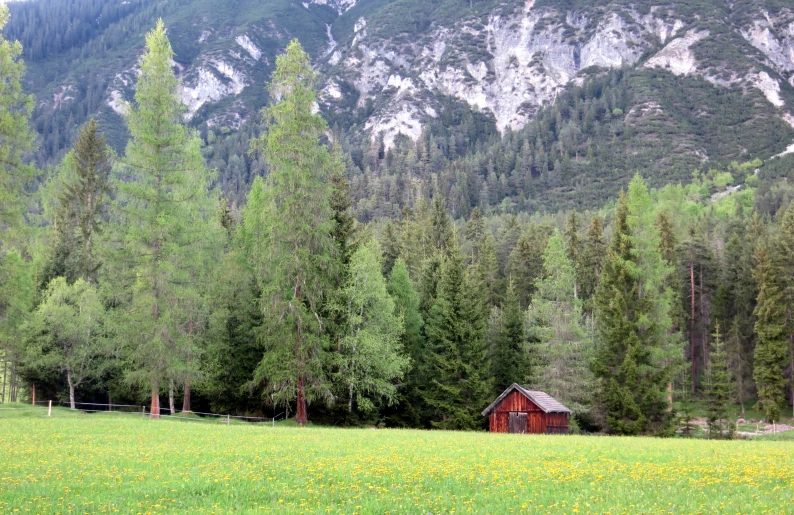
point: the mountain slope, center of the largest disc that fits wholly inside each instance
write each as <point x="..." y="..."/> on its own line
<point x="599" y="88"/>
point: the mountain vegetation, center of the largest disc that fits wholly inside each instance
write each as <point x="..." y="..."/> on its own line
<point x="357" y="280"/>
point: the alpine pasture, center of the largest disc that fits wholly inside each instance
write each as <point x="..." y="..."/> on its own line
<point x="118" y="463"/>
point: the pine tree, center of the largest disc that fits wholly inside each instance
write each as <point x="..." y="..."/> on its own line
<point x="632" y="383"/>
<point x="162" y="209"/>
<point x="509" y="362"/>
<point x="719" y="390"/>
<point x="294" y="251"/>
<point x="457" y="369"/>
<point x="770" y="351"/>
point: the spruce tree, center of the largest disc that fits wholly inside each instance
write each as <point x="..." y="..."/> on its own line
<point x="294" y="251"/>
<point x="783" y="261"/>
<point x="592" y="258"/>
<point x="80" y="211"/>
<point x="509" y="363"/>
<point x="563" y="350"/>
<point x="770" y="326"/>
<point x="632" y="383"/>
<point x="719" y="390"/>
<point x="458" y="387"/>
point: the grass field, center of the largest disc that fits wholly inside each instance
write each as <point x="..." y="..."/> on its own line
<point x="75" y="463"/>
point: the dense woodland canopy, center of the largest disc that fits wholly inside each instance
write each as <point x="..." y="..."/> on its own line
<point x="342" y="290"/>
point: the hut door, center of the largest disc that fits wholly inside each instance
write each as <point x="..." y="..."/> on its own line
<point x="518" y="423"/>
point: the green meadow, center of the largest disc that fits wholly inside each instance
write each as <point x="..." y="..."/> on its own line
<point x="119" y="463"/>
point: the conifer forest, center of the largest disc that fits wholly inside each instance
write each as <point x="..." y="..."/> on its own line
<point x="298" y="267"/>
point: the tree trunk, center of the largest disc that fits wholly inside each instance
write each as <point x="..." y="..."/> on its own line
<point x="301" y="416"/>
<point x="692" y="321"/>
<point x="155" y="408"/>
<point x="171" y="406"/>
<point x="33" y="393"/>
<point x="71" y="388"/>
<point x="704" y="326"/>
<point x="5" y="370"/>
<point x="13" y="382"/>
<point x="186" y="399"/>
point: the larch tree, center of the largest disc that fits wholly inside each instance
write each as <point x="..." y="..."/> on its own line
<point x="293" y="256"/>
<point x="161" y="212"/>
<point x="17" y="142"/>
<point x="593" y="251"/>
<point x="771" y="354"/>
<point x="370" y="357"/>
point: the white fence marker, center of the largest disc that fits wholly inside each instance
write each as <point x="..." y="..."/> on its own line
<point x="49" y="410"/>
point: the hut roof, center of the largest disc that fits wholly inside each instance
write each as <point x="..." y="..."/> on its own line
<point x="542" y="400"/>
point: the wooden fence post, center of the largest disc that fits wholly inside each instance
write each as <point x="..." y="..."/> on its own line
<point x="143" y="410"/>
<point x="227" y="420"/>
<point x="34" y="394"/>
<point x="49" y="410"/>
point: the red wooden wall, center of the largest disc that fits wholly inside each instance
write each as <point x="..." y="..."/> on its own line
<point x="538" y="423"/>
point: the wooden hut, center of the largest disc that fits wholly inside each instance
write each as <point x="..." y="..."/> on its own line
<point x="523" y="411"/>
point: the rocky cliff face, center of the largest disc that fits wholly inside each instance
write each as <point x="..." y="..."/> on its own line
<point x="388" y="65"/>
<point x="511" y="62"/>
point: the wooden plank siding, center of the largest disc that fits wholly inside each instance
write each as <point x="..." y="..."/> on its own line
<point x="538" y="422"/>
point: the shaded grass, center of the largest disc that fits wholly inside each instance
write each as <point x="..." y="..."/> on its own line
<point x="108" y="463"/>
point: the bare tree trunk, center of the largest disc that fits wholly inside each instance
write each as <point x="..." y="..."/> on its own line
<point x="155" y="408"/>
<point x="5" y="370"/>
<point x="704" y="326"/>
<point x="71" y="388"/>
<point x="171" y="406"/>
<point x="14" y="382"/>
<point x="186" y="398"/>
<point x="301" y="416"/>
<point x="33" y="393"/>
<point x="692" y="320"/>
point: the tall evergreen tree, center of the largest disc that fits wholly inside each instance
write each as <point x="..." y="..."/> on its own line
<point x="783" y="261"/>
<point x="401" y="288"/>
<point x="294" y="252"/>
<point x="457" y="368"/>
<point x="719" y="390"/>
<point x="632" y="381"/>
<point x="162" y="194"/>
<point x="564" y="350"/>
<point x="509" y="363"/>
<point x="592" y="257"/>
<point x="771" y="350"/>
<point x="80" y="211"/>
